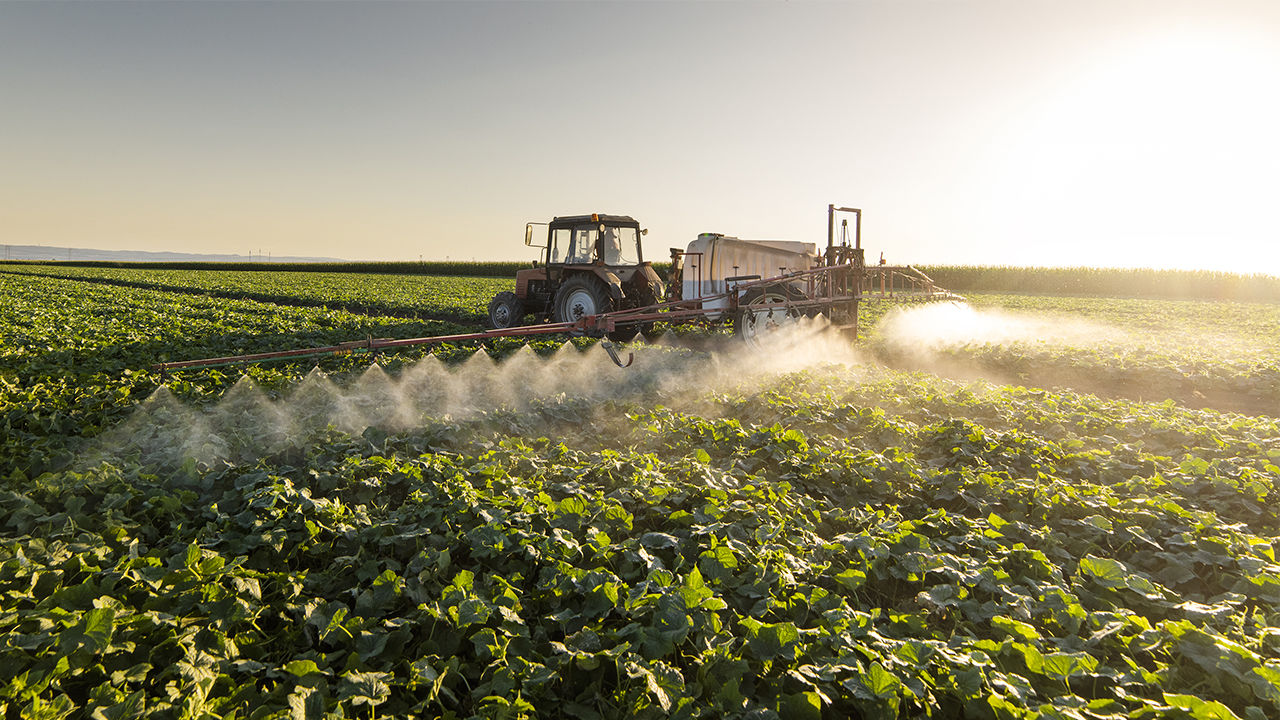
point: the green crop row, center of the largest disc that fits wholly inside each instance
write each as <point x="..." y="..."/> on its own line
<point x="432" y="267"/>
<point x="443" y="297"/>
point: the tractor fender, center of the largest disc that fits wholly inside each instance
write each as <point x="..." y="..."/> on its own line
<point x="649" y="276"/>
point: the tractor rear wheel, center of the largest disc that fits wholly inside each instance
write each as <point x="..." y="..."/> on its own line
<point x="578" y="297"/>
<point x="506" y="310"/>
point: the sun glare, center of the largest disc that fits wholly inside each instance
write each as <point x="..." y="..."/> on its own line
<point x="1163" y="151"/>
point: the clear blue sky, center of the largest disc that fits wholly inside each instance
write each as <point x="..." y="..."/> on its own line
<point x="1124" y="132"/>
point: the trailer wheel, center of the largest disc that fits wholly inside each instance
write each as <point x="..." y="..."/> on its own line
<point x="506" y="310"/>
<point x="579" y="297"/>
<point x="762" y="313"/>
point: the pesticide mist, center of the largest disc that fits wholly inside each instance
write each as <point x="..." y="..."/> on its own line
<point x="246" y="423"/>
<point x="961" y="342"/>
<point x="938" y="325"/>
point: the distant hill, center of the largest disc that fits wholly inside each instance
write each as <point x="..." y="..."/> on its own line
<point x="46" y="252"/>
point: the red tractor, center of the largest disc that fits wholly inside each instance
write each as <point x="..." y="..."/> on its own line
<point x="591" y="264"/>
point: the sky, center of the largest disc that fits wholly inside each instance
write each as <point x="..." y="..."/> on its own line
<point x="1126" y="133"/>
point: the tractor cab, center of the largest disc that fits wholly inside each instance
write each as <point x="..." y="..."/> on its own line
<point x="610" y="240"/>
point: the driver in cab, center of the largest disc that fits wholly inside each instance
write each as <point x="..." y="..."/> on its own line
<point x="610" y="247"/>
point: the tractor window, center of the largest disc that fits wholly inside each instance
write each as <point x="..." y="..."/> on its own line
<point x="582" y="246"/>
<point x="620" y="246"/>
<point x="560" y="241"/>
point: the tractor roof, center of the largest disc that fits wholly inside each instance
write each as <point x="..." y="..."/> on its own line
<point x="609" y="219"/>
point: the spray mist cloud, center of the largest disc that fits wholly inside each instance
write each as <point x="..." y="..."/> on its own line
<point x="247" y="424"/>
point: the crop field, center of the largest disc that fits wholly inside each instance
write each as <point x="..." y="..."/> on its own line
<point x="1025" y="507"/>
<point x="459" y="298"/>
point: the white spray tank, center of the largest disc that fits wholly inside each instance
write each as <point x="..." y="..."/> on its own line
<point x="713" y="258"/>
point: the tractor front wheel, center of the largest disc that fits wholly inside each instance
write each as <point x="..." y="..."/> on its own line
<point x="506" y="310"/>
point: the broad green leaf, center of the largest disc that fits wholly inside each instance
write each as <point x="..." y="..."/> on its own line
<point x="192" y="557"/>
<point x="464" y="579"/>
<point x="99" y="625"/>
<point x="335" y="624"/>
<point x="302" y="668"/>
<point x="1015" y="628"/>
<point x="365" y="688"/>
<point x="370" y="644"/>
<point x="472" y="611"/>
<point x="1194" y="466"/>
<point x="1200" y="709"/>
<point x="1107" y="572"/>
<point x="768" y="641"/>
<point x="851" y="578"/>
<point x="880" y="681"/>
<point x="659" y="541"/>
<point x="915" y="653"/>
<point x="803" y="706"/>
<point x="306" y="703"/>
<point x="1064" y="665"/>
<point x="1100" y="522"/>
<point x="718" y="563"/>
<point x="652" y="687"/>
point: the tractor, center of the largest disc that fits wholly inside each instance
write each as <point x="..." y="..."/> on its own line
<point x="590" y="264"/>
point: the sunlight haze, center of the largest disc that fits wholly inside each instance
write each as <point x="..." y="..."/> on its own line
<point x="1119" y="133"/>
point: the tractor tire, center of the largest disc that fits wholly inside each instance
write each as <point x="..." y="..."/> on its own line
<point x="762" y="312"/>
<point x="578" y="297"/>
<point x="506" y="310"/>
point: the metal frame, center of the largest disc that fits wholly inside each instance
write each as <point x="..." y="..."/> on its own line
<point x="825" y="293"/>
